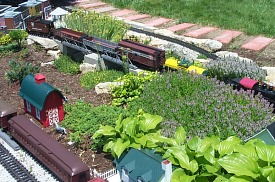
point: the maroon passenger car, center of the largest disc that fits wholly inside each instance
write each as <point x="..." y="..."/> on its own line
<point x="6" y="112"/>
<point x="67" y="166"/>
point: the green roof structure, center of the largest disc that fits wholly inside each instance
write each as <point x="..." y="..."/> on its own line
<point x="267" y="135"/>
<point x="35" y="93"/>
<point x="141" y="164"/>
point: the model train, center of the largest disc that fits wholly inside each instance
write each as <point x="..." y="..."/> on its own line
<point x="63" y="163"/>
<point x="139" y="54"/>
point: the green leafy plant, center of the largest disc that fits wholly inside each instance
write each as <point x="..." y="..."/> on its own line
<point x="136" y="132"/>
<point x="131" y="88"/>
<point x="65" y="64"/>
<point x="18" y="70"/>
<point x="91" y="79"/>
<point x="83" y="119"/>
<point x="98" y="25"/>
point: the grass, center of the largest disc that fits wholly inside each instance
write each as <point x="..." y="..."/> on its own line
<point x="253" y="17"/>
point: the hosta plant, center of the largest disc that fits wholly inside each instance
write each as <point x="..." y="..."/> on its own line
<point x="234" y="67"/>
<point x="132" y="132"/>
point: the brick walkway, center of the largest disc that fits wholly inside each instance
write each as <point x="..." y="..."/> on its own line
<point x="188" y="29"/>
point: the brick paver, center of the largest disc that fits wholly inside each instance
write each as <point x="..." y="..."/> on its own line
<point x="105" y="9"/>
<point x="227" y="36"/>
<point x="180" y="27"/>
<point x="157" y="22"/>
<point x="137" y="17"/>
<point x="123" y="12"/>
<point x="93" y="5"/>
<point x="200" y="32"/>
<point x="257" y="43"/>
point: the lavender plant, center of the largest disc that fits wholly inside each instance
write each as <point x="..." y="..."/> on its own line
<point x="234" y="67"/>
<point x="203" y="106"/>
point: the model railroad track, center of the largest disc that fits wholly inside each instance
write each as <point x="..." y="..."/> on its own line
<point x="176" y="41"/>
<point x="14" y="167"/>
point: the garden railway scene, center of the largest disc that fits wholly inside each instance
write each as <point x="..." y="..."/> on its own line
<point x="109" y="91"/>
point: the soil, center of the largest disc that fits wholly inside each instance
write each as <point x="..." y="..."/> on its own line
<point x="69" y="86"/>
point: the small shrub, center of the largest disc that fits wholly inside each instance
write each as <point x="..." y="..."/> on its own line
<point x="24" y="53"/>
<point x="65" y="64"/>
<point x="203" y="106"/>
<point x="82" y="119"/>
<point x="91" y="79"/>
<point x="18" y="70"/>
<point x="233" y="67"/>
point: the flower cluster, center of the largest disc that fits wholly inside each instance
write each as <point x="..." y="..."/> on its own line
<point x="234" y="67"/>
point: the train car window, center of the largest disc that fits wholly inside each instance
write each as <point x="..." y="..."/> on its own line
<point x="32" y="24"/>
<point x="82" y="177"/>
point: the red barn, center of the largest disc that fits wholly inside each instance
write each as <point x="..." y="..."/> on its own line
<point x="41" y="100"/>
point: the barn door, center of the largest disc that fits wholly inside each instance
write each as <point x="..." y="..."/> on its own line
<point x="53" y="116"/>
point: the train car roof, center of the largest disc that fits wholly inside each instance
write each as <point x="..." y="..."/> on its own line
<point x="72" y="33"/>
<point x="67" y="158"/>
<point x="5" y="108"/>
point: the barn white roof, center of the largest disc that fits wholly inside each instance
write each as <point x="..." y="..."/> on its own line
<point x="58" y="12"/>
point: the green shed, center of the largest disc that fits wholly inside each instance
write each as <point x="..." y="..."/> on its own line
<point x="143" y="166"/>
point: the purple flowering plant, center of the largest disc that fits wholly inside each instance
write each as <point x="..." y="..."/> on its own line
<point x="203" y="106"/>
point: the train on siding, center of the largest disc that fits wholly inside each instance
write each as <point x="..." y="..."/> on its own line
<point x="139" y="54"/>
<point x="63" y="163"/>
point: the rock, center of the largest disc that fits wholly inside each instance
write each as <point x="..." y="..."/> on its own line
<point x="106" y="87"/>
<point x="47" y="43"/>
<point x="48" y="63"/>
<point x="269" y="70"/>
<point x="54" y="53"/>
<point x="87" y="67"/>
<point x="207" y="44"/>
<point x="30" y="41"/>
<point x="225" y="54"/>
<point x="164" y="32"/>
<point x="203" y="61"/>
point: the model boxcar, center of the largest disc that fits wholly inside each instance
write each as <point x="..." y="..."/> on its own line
<point x="69" y="35"/>
<point x="146" y="55"/>
<point x="67" y="166"/>
<point x="6" y="112"/>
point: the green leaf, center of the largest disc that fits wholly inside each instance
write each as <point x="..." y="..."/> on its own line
<point x="180" y="135"/>
<point x="104" y="131"/>
<point x="213" y="141"/>
<point x="120" y="146"/>
<point x="271" y="177"/>
<point x="247" y="149"/>
<point x="211" y="169"/>
<point x="240" y="179"/>
<point x="108" y="146"/>
<point x="227" y="146"/>
<point x="194" y="143"/>
<point x="179" y="175"/>
<point x="265" y="152"/>
<point x="130" y="126"/>
<point x="209" y="155"/>
<point x="239" y="165"/>
<point x="150" y="122"/>
<point x="183" y="159"/>
<point x="221" y="179"/>
<point x="265" y="171"/>
<point x="118" y="123"/>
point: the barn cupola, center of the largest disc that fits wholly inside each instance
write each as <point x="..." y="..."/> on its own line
<point x="39" y="78"/>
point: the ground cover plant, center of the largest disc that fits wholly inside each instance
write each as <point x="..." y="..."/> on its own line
<point x="246" y="16"/>
<point x="91" y="79"/>
<point x="96" y="25"/>
<point x="196" y="159"/>
<point x="82" y="119"/>
<point x="203" y="106"/>
<point x="67" y="65"/>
